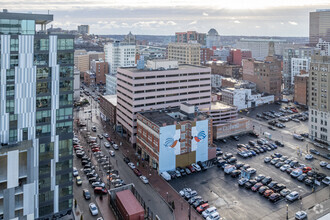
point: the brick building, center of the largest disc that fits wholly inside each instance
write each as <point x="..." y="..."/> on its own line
<point x="224" y="69"/>
<point x="206" y="54"/>
<point x="173" y="137"/>
<point x="236" y="56"/>
<point x="266" y="74"/>
<point x="108" y="107"/>
<point x="100" y="69"/>
<point x="185" y="37"/>
<point x="89" y="78"/>
<point x="301" y="89"/>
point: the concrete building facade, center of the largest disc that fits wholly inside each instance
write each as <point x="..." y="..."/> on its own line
<point x="100" y="69"/>
<point x="259" y="47"/>
<point x="319" y="98"/>
<point x="298" y="65"/>
<point x="184" y="53"/>
<point x="319" y="26"/>
<point x="76" y="84"/>
<point x="324" y="46"/>
<point x="160" y="85"/>
<point x="175" y="137"/>
<point x="83" y="29"/>
<point x="36" y="103"/>
<point x="213" y="39"/>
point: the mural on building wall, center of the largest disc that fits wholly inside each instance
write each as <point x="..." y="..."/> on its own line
<point x="169" y="147"/>
<point x="199" y="142"/>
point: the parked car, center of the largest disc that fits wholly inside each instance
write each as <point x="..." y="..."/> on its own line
<point x="323" y="163"/>
<point x="285" y="192"/>
<point x="202" y="208"/>
<point x="300" y="215"/>
<point x="235" y="173"/>
<point x="296" y="172"/>
<point x="131" y="165"/>
<point x="191" y="168"/>
<point x="242" y="181"/>
<point x="208" y="211"/>
<point x="309" y="156"/>
<point x="298" y="137"/>
<point x="260" y="177"/>
<point x="126" y="159"/>
<point x="100" y="190"/>
<point x="78" y="181"/>
<point x="266" y="180"/>
<point x="302" y="177"/>
<point x="326" y="180"/>
<point x="274" y="197"/>
<point x="256" y="187"/>
<point x="263" y="189"/>
<point x="267" y="159"/>
<point x="285" y="167"/>
<point x="292" y="196"/>
<point x="268" y="192"/>
<point x="144" y="179"/>
<point x="107" y="145"/>
<point x="196" y="167"/>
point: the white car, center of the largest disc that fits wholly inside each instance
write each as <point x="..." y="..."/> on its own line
<point x="209" y="211"/>
<point x="112" y="153"/>
<point x="309" y="157"/>
<point x="323" y="164"/>
<point x="144" y="179"/>
<point x="292" y="196"/>
<point x="242" y="181"/>
<point x="106" y="144"/>
<point x="105" y="135"/>
<point x="93" y="209"/>
<point x="295" y="173"/>
<point x="326" y="180"/>
<point x="131" y="165"/>
<point x="75" y="172"/>
<point x="115" y="146"/>
<point x="285" y="167"/>
<point x="251" y="171"/>
<point x="213" y="216"/>
<point x="196" y="167"/>
<point x="300" y="215"/>
<point x="328" y="166"/>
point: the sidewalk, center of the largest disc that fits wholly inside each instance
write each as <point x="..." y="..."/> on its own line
<point x="167" y="193"/>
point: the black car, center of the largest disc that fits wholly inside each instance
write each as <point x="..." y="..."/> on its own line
<point x="235" y="173"/>
<point x="272" y="184"/>
<point x="266" y="180"/>
<point x="202" y="165"/>
<point x="221" y="162"/>
<point x="219" y="153"/>
<point x="182" y="171"/>
<point x="224" y="140"/>
<point x="239" y="165"/>
<point x="309" y="181"/>
<point x="249" y="184"/>
<point x="127" y="160"/>
<point x="232" y="160"/>
<point x="84" y="162"/>
<point x="289" y="170"/>
<point x="279" y="187"/>
<point x="254" y="134"/>
<point x="86" y="194"/>
<point x="236" y="138"/>
<point x="278" y="143"/>
<point x="94" y="179"/>
<point x="320" y="176"/>
<point x="313" y="151"/>
<point x="274" y="197"/>
<point x="87" y="170"/>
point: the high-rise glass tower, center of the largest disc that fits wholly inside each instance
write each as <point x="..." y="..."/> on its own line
<point x="36" y="100"/>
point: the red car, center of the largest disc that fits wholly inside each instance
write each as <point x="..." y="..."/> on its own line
<point x="306" y="169"/>
<point x="294" y="110"/>
<point x="202" y="207"/>
<point x="191" y="168"/>
<point x="100" y="190"/>
<point x="109" y="139"/>
<point x="96" y="149"/>
<point x="137" y="172"/>
<point x="268" y="192"/>
<point x="256" y="187"/>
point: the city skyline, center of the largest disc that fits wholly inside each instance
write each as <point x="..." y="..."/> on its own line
<point x="258" y="18"/>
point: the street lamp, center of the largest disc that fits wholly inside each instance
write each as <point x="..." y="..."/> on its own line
<point x="287" y="211"/>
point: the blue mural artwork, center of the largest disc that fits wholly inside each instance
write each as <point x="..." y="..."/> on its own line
<point x="170" y="142"/>
<point x="200" y="136"/>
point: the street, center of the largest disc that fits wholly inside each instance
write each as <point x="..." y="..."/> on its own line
<point x="149" y="195"/>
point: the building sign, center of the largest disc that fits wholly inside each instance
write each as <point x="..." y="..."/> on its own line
<point x="232" y="128"/>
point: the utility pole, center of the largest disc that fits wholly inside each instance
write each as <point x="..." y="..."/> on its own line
<point x="287" y="211"/>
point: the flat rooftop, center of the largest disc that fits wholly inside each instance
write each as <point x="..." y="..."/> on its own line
<point x="159" y="117"/>
<point x="38" y="18"/>
<point x="111" y="98"/>
<point x="181" y="67"/>
<point x="221" y="105"/>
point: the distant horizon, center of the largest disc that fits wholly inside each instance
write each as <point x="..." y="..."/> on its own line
<point x="165" y="17"/>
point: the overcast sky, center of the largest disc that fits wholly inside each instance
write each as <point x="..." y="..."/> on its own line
<point x="165" y="17"/>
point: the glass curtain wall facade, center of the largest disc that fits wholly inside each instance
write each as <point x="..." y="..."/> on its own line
<point x="36" y="104"/>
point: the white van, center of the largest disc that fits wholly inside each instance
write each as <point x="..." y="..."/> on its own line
<point x="209" y="211"/>
<point x="230" y="168"/>
<point x="166" y="176"/>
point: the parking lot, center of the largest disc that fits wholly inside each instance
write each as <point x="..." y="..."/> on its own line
<point x="234" y="202"/>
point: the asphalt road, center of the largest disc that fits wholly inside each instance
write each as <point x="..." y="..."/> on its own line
<point x="149" y="195"/>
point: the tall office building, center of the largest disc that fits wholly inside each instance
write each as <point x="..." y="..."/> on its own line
<point x="319" y="98"/>
<point x="319" y="26"/>
<point x="161" y="84"/>
<point x="118" y="54"/>
<point x="36" y="93"/>
<point x="259" y="47"/>
<point x="185" y="53"/>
